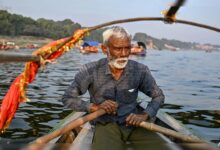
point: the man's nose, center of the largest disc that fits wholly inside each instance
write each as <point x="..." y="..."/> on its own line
<point x="124" y="52"/>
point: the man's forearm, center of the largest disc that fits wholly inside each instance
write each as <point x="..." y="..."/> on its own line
<point x="154" y="105"/>
<point x="76" y="103"/>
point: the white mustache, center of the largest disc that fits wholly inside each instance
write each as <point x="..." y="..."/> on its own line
<point x="122" y="59"/>
<point x="115" y="62"/>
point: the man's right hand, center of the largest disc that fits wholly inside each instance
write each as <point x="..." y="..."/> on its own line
<point x="108" y="105"/>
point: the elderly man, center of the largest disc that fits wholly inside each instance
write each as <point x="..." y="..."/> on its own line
<point x="113" y="84"/>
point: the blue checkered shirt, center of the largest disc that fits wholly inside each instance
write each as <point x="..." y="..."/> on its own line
<point x="96" y="77"/>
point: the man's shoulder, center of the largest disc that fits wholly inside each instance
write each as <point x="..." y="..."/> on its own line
<point x="94" y="65"/>
<point x="136" y="65"/>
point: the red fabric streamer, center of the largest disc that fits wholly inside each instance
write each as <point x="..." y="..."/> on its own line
<point x="16" y="92"/>
<point x="10" y="103"/>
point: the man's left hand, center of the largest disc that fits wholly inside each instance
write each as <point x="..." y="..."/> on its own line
<point x="136" y="119"/>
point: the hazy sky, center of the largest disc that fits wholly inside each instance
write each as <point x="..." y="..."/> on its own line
<point x="93" y="12"/>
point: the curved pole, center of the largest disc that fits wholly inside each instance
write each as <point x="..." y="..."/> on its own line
<point x="154" y="19"/>
<point x="198" y="25"/>
<point x="145" y="19"/>
<point x="132" y="20"/>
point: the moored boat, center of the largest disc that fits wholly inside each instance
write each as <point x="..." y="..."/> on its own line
<point x="138" y="48"/>
<point x="89" y="47"/>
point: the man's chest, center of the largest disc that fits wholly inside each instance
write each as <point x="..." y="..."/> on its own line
<point x="124" y="90"/>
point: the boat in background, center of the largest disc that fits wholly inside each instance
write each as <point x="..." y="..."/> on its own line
<point x="138" y="48"/>
<point x="89" y="47"/>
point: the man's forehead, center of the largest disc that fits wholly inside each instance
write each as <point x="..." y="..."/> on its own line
<point x="119" y="40"/>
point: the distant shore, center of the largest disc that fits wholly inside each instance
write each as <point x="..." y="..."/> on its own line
<point x="33" y="42"/>
<point x="18" y="42"/>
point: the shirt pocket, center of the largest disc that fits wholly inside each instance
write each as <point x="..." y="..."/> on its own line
<point x="109" y="94"/>
<point x="127" y="96"/>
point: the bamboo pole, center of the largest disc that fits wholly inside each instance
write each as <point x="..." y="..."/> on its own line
<point x="154" y="19"/>
<point x="24" y="58"/>
<point x="15" y="57"/>
<point x="143" y="19"/>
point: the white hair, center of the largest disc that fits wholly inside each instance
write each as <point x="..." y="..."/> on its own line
<point x="115" y="31"/>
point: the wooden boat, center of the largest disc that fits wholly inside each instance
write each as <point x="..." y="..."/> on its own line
<point x="89" y="47"/>
<point x="81" y="137"/>
<point x="138" y="48"/>
<point x="138" y="51"/>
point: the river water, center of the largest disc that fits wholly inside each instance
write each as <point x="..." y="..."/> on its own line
<point x="190" y="81"/>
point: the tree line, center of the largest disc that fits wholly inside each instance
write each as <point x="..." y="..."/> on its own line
<point x="16" y="25"/>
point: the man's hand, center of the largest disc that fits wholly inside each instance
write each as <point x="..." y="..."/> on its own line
<point x="108" y="105"/>
<point x="136" y="119"/>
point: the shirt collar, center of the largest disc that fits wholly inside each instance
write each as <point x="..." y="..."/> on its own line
<point x="107" y="69"/>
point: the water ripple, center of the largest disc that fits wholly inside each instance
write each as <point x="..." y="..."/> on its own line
<point x="190" y="81"/>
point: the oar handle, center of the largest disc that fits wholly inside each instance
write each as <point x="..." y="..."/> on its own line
<point x="73" y="124"/>
<point x="180" y="136"/>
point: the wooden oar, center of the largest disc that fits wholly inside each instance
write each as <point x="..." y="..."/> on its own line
<point x="15" y="57"/>
<point x="38" y="143"/>
<point x="165" y="131"/>
<point x="199" y="146"/>
<point x="150" y="126"/>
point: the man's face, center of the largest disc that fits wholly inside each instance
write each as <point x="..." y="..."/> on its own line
<point x="119" y="51"/>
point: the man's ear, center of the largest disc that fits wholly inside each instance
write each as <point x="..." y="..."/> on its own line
<point x="104" y="48"/>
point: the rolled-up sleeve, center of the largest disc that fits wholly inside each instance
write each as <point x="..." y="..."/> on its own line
<point x="71" y="98"/>
<point x="149" y="87"/>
